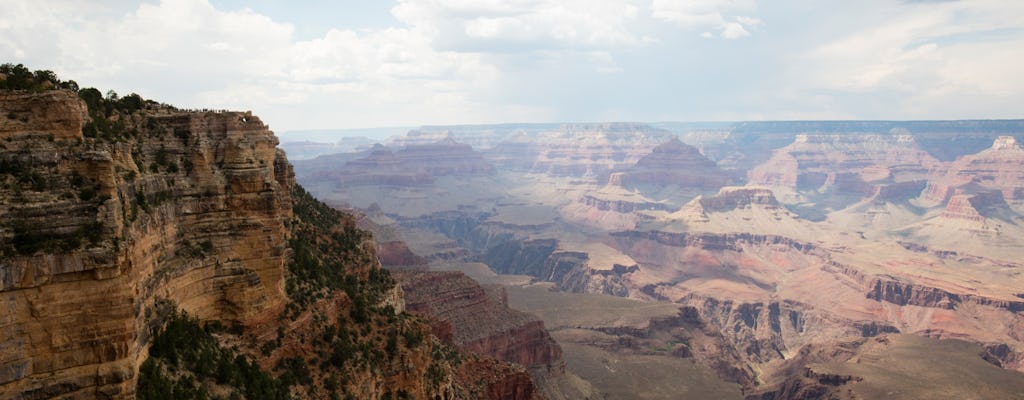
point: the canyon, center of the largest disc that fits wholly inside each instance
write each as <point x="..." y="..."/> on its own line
<point x="779" y="252"/>
<point x="127" y="222"/>
<point x="775" y="260"/>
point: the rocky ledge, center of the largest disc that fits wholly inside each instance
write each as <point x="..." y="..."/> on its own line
<point x="157" y="203"/>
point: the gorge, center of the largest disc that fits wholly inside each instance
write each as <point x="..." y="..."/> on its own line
<point x="149" y="250"/>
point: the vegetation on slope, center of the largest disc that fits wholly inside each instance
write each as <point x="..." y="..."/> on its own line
<point x="331" y="257"/>
<point x="336" y="338"/>
<point x="186" y="361"/>
<point x="339" y="336"/>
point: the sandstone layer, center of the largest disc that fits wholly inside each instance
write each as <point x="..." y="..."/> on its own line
<point x="847" y="163"/>
<point x="1000" y="167"/>
<point x="189" y="207"/>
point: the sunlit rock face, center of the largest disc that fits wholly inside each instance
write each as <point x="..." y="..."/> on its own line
<point x="816" y="161"/>
<point x="188" y="206"/>
<point x="1000" y="167"/>
<point x="578" y="150"/>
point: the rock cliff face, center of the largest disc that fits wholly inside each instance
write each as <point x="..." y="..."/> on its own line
<point x="464" y="314"/>
<point x="674" y="163"/>
<point x="109" y="215"/>
<point x="1000" y="167"/>
<point x="578" y="149"/>
<point x="188" y="207"/>
<point x="670" y="175"/>
<point x="411" y="165"/>
<point x="813" y="162"/>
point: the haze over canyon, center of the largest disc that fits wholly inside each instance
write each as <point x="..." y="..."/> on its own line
<point x="511" y="200"/>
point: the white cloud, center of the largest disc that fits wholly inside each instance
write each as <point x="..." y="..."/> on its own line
<point x="956" y="57"/>
<point x="467" y="61"/>
<point x="708" y="14"/>
<point x="522" y="25"/>
<point x="189" y="53"/>
<point x="734" y="30"/>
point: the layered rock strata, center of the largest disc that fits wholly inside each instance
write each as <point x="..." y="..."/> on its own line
<point x="673" y="163"/>
<point x="477" y="321"/>
<point x="816" y="161"/>
<point x="188" y="207"/>
<point x="412" y="165"/>
<point x="1000" y="167"/>
<point x="578" y="150"/>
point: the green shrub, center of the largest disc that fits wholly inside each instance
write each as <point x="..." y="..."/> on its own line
<point x="183" y="355"/>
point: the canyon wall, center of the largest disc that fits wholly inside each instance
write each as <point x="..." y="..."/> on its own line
<point x="189" y="207"/>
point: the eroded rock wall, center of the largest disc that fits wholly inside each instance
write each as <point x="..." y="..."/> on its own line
<point x="186" y="206"/>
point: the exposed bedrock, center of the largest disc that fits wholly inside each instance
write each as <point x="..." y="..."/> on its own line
<point x="622" y="206"/>
<point x="846" y="162"/>
<point x="466" y="315"/>
<point x="997" y="168"/>
<point x="190" y="208"/>
<point x="714" y="241"/>
<point x="478" y="322"/>
<point x="673" y="163"/>
<point x="412" y="165"/>
<point x="579" y="150"/>
<point x="903" y="293"/>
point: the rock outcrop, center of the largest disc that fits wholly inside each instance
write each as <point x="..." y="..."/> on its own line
<point x="412" y="165"/>
<point x="187" y="206"/>
<point x="578" y="150"/>
<point x="477" y="321"/>
<point x="148" y="206"/>
<point x="673" y="163"/>
<point x="1000" y="167"/>
<point x="467" y="316"/>
<point x="846" y="162"/>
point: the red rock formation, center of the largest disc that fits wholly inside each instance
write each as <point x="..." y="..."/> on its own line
<point x="739" y="197"/>
<point x="444" y="158"/>
<point x="397" y="253"/>
<point x="1000" y="167"/>
<point x="479" y="322"/>
<point x="578" y="149"/>
<point x="194" y="213"/>
<point x="961" y="207"/>
<point x="409" y="166"/>
<point x="494" y="380"/>
<point x="673" y="163"/>
<point x="55" y="113"/>
<point x="814" y="161"/>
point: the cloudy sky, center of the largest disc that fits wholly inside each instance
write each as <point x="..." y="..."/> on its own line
<point x="356" y="64"/>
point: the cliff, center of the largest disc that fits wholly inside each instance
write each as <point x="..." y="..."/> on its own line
<point x="115" y="209"/>
<point x="467" y="316"/>
<point x="815" y="161"/>
<point x="674" y="163"/>
<point x="418" y="164"/>
<point x="477" y="321"/>
<point x="997" y="168"/>
<point x="577" y="150"/>
<point x="190" y="207"/>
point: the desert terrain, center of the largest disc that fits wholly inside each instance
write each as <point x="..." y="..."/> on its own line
<point x="758" y="260"/>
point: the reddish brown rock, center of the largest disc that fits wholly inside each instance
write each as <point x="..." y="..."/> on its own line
<point x="673" y="163"/>
<point x="814" y="161"/>
<point x="1000" y="167"/>
<point x="397" y="253"/>
<point x="578" y="150"/>
<point x="739" y="197"/>
<point x="490" y="379"/>
<point x="479" y="322"/>
<point x="412" y="165"/>
<point x="55" y="114"/>
<point x="192" y="212"/>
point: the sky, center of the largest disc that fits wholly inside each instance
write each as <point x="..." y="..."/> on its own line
<point x="360" y="64"/>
